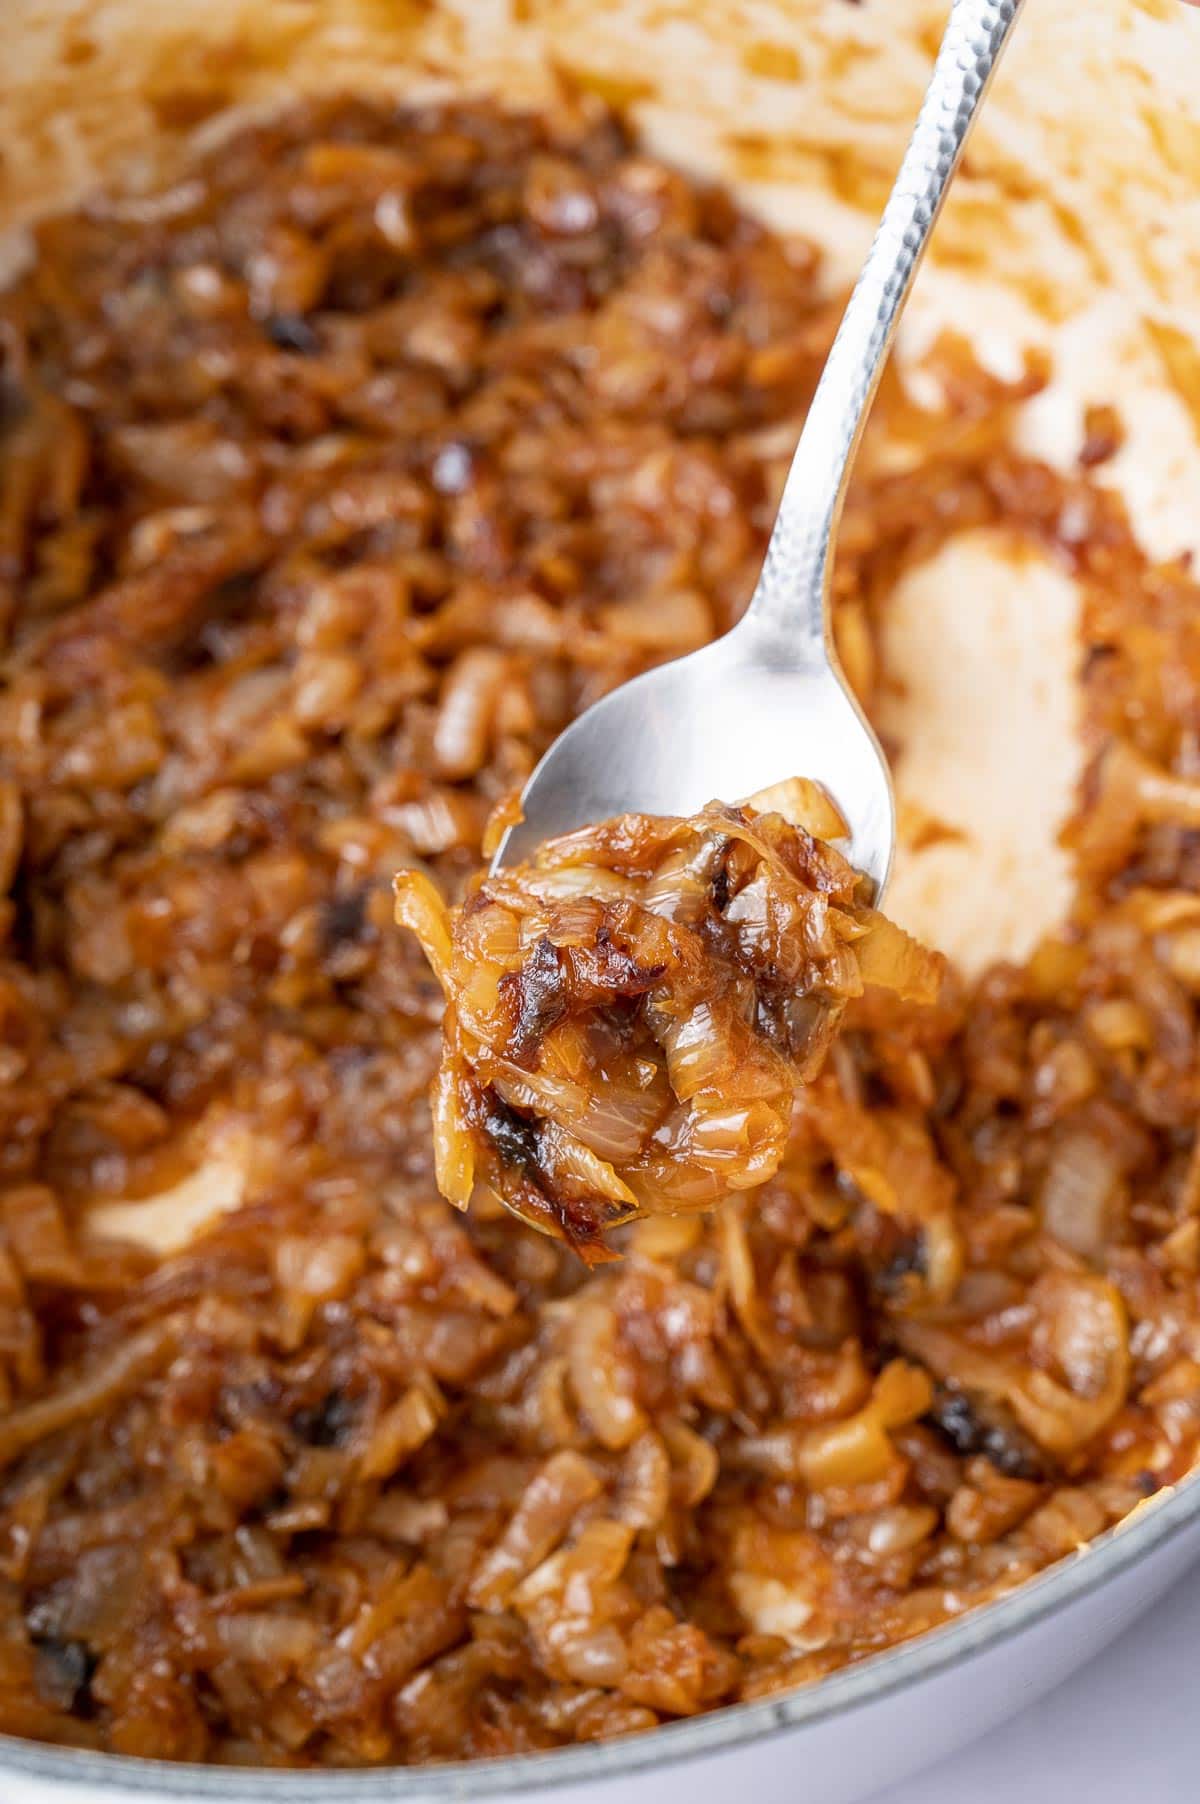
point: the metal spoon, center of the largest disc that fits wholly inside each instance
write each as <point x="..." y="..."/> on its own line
<point x="769" y="700"/>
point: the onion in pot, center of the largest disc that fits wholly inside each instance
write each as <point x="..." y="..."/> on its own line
<point x="1082" y="1332"/>
<point x="1080" y="1194"/>
<point x="469" y="697"/>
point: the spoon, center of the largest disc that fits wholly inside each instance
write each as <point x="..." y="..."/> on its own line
<point x="769" y="700"/>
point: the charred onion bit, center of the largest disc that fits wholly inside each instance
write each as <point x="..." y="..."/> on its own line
<point x="629" y="1017"/>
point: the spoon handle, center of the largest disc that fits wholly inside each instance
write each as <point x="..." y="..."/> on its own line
<point x="791" y="600"/>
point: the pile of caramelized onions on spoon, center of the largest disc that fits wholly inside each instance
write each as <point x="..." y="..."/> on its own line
<point x="628" y="1017"/>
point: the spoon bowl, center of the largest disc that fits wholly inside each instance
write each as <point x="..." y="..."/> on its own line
<point x="720" y="724"/>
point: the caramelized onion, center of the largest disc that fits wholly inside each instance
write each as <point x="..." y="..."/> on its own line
<point x="333" y="483"/>
<point x="1082" y="1336"/>
<point x="647" y="1043"/>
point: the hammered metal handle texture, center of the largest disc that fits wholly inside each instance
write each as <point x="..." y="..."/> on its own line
<point x="791" y="601"/>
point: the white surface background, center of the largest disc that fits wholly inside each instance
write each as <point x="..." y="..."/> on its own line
<point x="1124" y="1730"/>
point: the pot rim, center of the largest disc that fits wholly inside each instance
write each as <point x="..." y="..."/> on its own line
<point x="118" y="1779"/>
